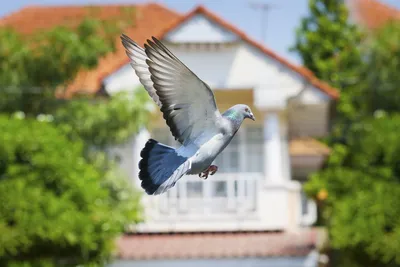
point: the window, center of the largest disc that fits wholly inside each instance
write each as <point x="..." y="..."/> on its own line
<point x="254" y="149"/>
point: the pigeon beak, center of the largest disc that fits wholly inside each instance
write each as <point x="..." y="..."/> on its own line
<point x="252" y="117"/>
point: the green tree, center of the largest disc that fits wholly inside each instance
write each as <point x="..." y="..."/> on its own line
<point x="383" y="82"/>
<point x="62" y="202"/>
<point x="57" y="208"/>
<point x="330" y="47"/>
<point x="361" y="176"/>
<point x="363" y="184"/>
<point x="34" y="67"/>
<point x="326" y="42"/>
<point x="102" y="122"/>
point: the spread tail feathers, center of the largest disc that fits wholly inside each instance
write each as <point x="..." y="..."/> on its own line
<point x="160" y="167"/>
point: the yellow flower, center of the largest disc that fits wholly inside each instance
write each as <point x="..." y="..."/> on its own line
<point x="322" y="194"/>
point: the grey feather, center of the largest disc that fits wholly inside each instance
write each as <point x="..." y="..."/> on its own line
<point x="138" y="58"/>
<point x="188" y="104"/>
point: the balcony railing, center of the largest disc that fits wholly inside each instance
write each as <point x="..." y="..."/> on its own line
<point x="221" y="195"/>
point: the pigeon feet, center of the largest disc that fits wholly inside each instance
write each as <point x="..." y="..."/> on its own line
<point x="213" y="169"/>
<point x="209" y="171"/>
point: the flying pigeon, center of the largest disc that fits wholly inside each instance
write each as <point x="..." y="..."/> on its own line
<point x="189" y="109"/>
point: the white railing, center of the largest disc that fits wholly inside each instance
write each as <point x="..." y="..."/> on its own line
<point x="221" y="195"/>
<point x="308" y="214"/>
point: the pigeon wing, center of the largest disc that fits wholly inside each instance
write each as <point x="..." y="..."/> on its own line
<point x="138" y="59"/>
<point x="188" y="103"/>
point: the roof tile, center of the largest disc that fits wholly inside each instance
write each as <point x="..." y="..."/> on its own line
<point x="216" y="245"/>
<point x="373" y="14"/>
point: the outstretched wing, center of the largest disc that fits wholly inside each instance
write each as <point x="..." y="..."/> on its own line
<point x="187" y="103"/>
<point x="138" y="59"/>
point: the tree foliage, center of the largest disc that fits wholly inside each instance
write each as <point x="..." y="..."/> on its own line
<point x="62" y="203"/>
<point x="102" y="122"/>
<point x="34" y="67"/>
<point x="331" y="48"/>
<point x="361" y="178"/>
<point x="363" y="184"/>
<point x="56" y="206"/>
<point x="382" y="84"/>
<point x="326" y="42"/>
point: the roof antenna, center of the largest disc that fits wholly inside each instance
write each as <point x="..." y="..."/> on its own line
<point x="265" y="8"/>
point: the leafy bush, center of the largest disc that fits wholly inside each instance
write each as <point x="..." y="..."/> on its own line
<point x="62" y="203"/>
<point x="57" y="208"/>
<point x="102" y="122"/>
<point x="362" y="181"/>
<point x="358" y="191"/>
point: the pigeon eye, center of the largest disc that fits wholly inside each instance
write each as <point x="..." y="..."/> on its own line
<point x="246" y="109"/>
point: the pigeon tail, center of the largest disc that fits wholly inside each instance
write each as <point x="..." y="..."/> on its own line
<point x="160" y="167"/>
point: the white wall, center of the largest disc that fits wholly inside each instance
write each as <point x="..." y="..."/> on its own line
<point x="200" y="30"/>
<point x="124" y="78"/>
<point x="213" y="67"/>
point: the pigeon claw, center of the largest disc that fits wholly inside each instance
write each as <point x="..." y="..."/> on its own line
<point x="213" y="169"/>
<point x="209" y="171"/>
<point x="204" y="175"/>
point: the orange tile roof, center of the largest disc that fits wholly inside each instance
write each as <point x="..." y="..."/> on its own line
<point x="152" y="19"/>
<point x="216" y="245"/>
<point x="372" y="13"/>
<point x="308" y="147"/>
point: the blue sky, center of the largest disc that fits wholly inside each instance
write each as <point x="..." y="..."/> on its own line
<point x="283" y="18"/>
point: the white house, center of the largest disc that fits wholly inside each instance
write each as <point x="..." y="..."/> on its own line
<point x="259" y="182"/>
<point x="254" y="205"/>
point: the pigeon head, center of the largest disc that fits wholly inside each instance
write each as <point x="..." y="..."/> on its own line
<point x="247" y="113"/>
<point x="239" y="112"/>
<point x="244" y="111"/>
